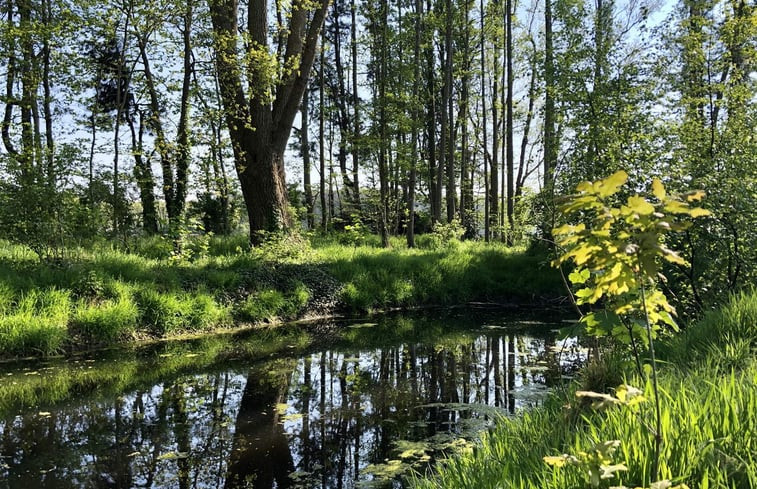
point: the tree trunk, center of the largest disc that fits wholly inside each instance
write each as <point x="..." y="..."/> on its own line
<point x="322" y="137"/>
<point x="356" y="109"/>
<point x="305" y="152"/>
<point x="450" y="170"/>
<point x="383" y="176"/>
<point x="259" y="128"/>
<point x="143" y="176"/>
<point x="509" y="129"/>
<point x="182" y="136"/>
<point x="550" y="137"/>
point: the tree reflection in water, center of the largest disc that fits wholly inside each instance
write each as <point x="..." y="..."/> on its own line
<point x="319" y="420"/>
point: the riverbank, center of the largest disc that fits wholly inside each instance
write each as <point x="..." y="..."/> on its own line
<point x="149" y="289"/>
<point x="708" y="380"/>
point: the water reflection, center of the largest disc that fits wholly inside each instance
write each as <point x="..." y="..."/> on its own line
<point x="341" y="417"/>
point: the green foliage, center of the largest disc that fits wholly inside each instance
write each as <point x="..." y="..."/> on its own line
<point x="444" y="234"/>
<point x="106" y="322"/>
<point x="618" y="255"/>
<point x="270" y="304"/>
<point x="724" y="338"/>
<point x="169" y="313"/>
<point x="708" y="418"/>
<point x="171" y="296"/>
<point x="36" y="324"/>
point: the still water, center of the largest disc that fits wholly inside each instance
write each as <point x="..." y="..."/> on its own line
<point x="357" y="407"/>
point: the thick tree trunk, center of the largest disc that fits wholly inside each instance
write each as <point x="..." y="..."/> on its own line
<point x="259" y="128"/>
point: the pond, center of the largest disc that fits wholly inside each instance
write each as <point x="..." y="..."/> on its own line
<point x="341" y="406"/>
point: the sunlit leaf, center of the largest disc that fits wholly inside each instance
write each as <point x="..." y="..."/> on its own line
<point x="608" y="471"/>
<point x="612" y="184"/>
<point x="640" y="205"/>
<point x="578" y="277"/>
<point x="658" y="190"/>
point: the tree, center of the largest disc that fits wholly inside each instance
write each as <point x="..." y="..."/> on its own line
<point x="260" y="120"/>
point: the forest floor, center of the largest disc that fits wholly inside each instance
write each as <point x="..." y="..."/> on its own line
<point x="150" y="288"/>
<point x="708" y="385"/>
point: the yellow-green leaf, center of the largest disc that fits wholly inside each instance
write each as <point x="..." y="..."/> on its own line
<point x="640" y="205"/>
<point x="611" y="184"/>
<point x="699" y="212"/>
<point x="658" y="190"/>
<point x="556" y="461"/>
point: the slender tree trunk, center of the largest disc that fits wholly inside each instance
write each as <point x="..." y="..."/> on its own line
<point x="322" y="136"/>
<point x="485" y="149"/>
<point x="466" y="181"/>
<point x="305" y="152"/>
<point x="434" y="194"/>
<point x="47" y="94"/>
<point x="343" y="118"/>
<point x="520" y="180"/>
<point x="550" y="137"/>
<point x="509" y="130"/>
<point x="494" y="168"/>
<point x="10" y="78"/>
<point x="29" y="85"/>
<point x="182" y="136"/>
<point x="450" y="160"/>
<point x="383" y="176"/>
<point x="356" y="108"/>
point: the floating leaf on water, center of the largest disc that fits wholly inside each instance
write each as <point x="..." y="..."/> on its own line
<point x="291" y="417"/>
<point x="282" y="407"/>
<point x="133" y="454"/>
<point x="362" y="325"/>
<point x="389" y="470"/>
<point x="299" y="474"/>
<point x="173" y="456"/>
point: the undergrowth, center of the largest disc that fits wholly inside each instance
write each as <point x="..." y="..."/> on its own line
<point x="709" y="418"/>
<point x="109" y="293"/>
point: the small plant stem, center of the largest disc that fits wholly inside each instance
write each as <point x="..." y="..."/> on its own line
<point x="636" y="355"/>
<point x="658" y="415"/>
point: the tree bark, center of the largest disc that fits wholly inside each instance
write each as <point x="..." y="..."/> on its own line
<point x="509" y="129"/>
<point x="305" y="152"/>
<point x="550" y="138"/>
<point x="259" y="127"/>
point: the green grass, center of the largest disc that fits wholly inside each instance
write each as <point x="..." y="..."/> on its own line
<point x="107" y="294"/>
<point x="709" y="421"/>
<point x="376" y="278"/>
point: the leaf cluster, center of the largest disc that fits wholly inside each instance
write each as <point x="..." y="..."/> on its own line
<point x="618" y="249"/>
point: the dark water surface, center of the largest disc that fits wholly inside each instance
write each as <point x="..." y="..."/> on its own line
<point x="356" y="409"/>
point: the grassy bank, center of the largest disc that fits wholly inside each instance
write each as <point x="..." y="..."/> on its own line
<point x="709" y="421"/>
<point x="148" y="289"/>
